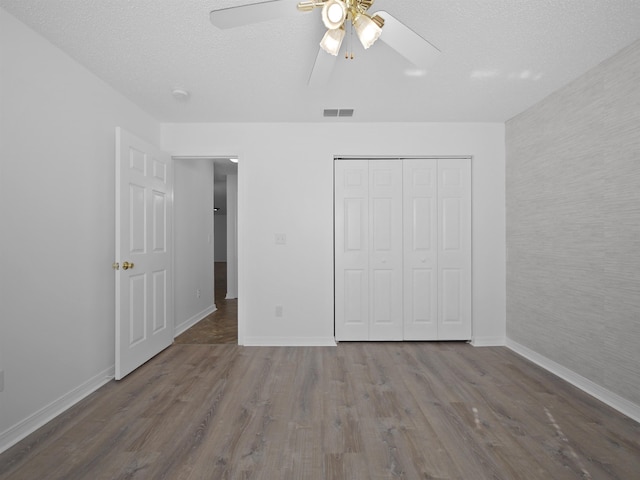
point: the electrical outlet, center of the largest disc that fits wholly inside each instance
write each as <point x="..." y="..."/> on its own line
<point x="197" y="293"/>
<point x="1" y="380"/>
<point x="279" y="311"/>
<point x="281" y="239"/>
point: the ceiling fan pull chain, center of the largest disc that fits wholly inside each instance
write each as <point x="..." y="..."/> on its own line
<point x="351" y="41"/>
<point x="346" y="50"/>
<point x="349" y="50"/>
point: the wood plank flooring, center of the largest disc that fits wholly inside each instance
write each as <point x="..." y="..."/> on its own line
<point x="355" y="411"/>
<point x="221" y="326"/>
<point x="217" y="328"/>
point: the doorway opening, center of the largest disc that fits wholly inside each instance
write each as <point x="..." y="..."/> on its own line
<point x="217" y="209"/>
<point x="221" y="326"/>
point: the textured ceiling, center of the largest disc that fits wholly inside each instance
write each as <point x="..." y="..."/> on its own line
<point x="498" y="57"/>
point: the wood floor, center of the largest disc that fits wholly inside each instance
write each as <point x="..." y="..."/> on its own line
<point x="221" y="326"/>
<point x="355" y="411"/>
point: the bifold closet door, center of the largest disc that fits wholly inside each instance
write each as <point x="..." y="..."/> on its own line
<point x="351" y="217"/>
<point x="385" y="243"/>
<point x="368" y="250"/>
<point x="420" y="210"/>
<point x="454" y="249"/>
<point x="437" y="249"/>
<point x="403" y="249"/>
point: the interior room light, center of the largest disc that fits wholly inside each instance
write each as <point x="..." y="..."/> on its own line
<point x="332" y="40"/>
<point x="233" y="160"/>
<point x="334" y="13"/>
<point x="180" y="94"/>
<point x="368" y="29"/>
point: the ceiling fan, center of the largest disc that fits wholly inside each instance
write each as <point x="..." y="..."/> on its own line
<point x="337" y="15"/>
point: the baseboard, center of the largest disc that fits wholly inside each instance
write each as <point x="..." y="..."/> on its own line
<point x="488" y="341"/>
<point x="614" y="400"/>
<point x="289" y="342"/>
<point x="14" y="434"/>
<point x="187" y="324"/>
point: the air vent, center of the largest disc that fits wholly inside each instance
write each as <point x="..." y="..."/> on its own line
<point x="334" y="112"/>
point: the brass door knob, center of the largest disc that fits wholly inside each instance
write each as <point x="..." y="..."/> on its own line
<point x="127" y="265"/>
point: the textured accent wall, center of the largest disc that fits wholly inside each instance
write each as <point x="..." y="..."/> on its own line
<point x="573" y="225"/>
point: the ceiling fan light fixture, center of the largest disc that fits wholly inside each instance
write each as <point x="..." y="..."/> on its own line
<point x="307" y="5"/>
<point x="332" y="41"/>
<point x="334" y="13"/>
<point x="368" y="29"/>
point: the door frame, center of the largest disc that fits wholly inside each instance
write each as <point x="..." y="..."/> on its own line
<point x="239" y="245"/>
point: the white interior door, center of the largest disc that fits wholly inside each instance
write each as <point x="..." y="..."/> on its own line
<point x="144" y="289"/>
<point x="385" y="257"/>
<point x="420" y="210"/>
<point x="454" y="249"/>
<point x="352" y="250"/>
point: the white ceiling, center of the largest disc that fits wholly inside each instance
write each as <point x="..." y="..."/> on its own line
<point x="498" y="57"/>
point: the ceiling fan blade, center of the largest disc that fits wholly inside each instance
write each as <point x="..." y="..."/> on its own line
<point x="322" y="69"/>
<point x="407" y="42"/>
<point x="253" y="13"/>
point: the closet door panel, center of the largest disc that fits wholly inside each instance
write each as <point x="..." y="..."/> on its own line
<point x="403" y="249"/>
<point x="351" y="250"/>
<point x="385" y="260"/>
<point x="420" y="263"/>
<point x="454" y="249"/>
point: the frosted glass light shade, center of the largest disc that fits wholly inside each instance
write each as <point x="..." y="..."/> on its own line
<point x="334" y="13"/>
<point x="332" y="40"/>
<point x="367" y="30"/>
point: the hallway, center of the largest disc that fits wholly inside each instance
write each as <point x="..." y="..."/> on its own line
<point x="221" y="326"/>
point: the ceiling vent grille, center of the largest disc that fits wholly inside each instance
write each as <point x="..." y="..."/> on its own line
<point x="334" y="112"/>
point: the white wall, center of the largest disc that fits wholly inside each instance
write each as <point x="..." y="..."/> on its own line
<point x="56" y="227"/>
<point x="232" y="236"/>
<point x="220" y="248"/>
<point x="193" y="237"/>
<point x="573" y="197"/>
<point x="286" y="186"/>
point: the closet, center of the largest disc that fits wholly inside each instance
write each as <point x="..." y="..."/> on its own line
<point x="402" y="249"/>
